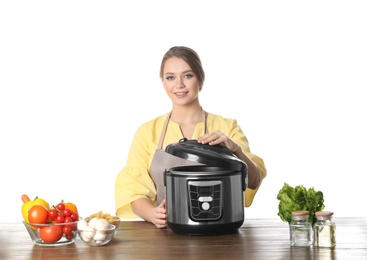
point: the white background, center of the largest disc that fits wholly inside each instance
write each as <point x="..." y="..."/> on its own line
<point x="78" y="77"/>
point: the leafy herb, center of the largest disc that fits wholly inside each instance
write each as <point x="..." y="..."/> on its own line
<point x="299" y="198"/>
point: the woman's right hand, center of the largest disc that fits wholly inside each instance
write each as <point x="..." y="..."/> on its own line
<point x="159" y="215"/>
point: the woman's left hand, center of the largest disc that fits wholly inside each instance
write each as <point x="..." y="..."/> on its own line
<point x="217" y="137"/>
<point x="159" y="215"/>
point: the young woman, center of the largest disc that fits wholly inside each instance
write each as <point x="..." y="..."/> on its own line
<point x="138" y="187"/>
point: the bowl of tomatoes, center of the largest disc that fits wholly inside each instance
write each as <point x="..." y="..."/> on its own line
<point x="52" y="234"/>
<point x="51" y="227"/>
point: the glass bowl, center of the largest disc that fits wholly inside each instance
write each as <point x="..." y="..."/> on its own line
<point x="116" y="222"/>
<point x="51" y="234"/>
<point x="94" y="237"/>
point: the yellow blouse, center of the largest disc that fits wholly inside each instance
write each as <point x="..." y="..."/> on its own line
<point x="134" y="181"/>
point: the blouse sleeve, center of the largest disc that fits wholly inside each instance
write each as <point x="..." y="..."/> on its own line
<point x="133" y="181"/>
<point x="237" y="135"/>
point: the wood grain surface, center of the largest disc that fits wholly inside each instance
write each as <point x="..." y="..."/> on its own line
<point x="256" y="239"/>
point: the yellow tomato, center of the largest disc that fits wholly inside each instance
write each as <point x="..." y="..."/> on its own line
<point x="28" y="204"/>
<point x="71" y="206"/>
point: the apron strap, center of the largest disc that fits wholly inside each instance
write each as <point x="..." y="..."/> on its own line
<point x="204" y="118"/>
<point x="160" y="143"/>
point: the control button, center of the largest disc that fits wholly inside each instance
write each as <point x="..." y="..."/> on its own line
<point x="202" y="199"/>
<point x="205" y="206"/>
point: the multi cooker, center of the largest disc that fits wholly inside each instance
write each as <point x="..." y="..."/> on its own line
<point x="205" y="199"/>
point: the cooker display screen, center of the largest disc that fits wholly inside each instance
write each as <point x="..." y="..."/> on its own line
<point x="204" y="190"/>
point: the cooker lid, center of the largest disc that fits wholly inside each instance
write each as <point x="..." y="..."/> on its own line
<point x="210" y="155"/>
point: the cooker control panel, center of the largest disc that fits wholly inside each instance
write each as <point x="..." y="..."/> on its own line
<point x="205" y="200"/>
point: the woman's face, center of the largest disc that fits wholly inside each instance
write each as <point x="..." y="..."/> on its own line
<point x="180" y="81"/>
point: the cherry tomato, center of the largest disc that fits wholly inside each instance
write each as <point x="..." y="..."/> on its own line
<point x="60" y="218"/>
<point x="74" y="227"/>
<point x="69" y="236"/>
<point x="38" y="214"/>
<point x="67" y="229"/>
<point x="66" y="212"/>
<point x="53" y="214"/>
<point x="68" y="220"/>
<point x="74" y="216"/>
<point x="60" y="206"/>
<point x="51" y="234"/>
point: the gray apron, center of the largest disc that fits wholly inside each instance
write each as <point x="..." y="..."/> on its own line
<point x="163" y="161"/>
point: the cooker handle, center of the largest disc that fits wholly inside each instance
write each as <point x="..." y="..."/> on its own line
<point x="164" y="177"/>
<point x="244" y="176"/>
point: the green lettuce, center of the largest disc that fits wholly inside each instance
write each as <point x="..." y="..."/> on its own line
<point x="299" y="198"/>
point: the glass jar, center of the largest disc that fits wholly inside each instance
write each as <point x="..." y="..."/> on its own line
<point x="324" y="229"/>
<point x="300" y="229"/>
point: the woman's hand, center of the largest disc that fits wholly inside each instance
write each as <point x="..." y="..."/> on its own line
<point x="143" y="208"/>
<point x="159" y="215"/>
<point x="217" y="137"/>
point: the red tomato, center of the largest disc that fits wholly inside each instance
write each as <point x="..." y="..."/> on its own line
<point x="74" y="227"/>
<point x="69" y="236"/>
<point x="67" y="230"/>
<point x="67" y="212"/>
<point x="74" y="216"/>
<point x="60" y="206"/>
<point x="53" y="214"/>
<point x="68" y="220"/>
<point x="38" y="214"/>
<point x="60" y="218"/>
<point x="51" y="234"/>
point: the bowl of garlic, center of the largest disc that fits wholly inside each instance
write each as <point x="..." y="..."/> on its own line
<point x="96" y="231"/>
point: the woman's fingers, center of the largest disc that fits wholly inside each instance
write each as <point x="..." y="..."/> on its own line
<point x="217" y="137"/>
<point x="159" y="215"/>
<point x="214" y="137"/>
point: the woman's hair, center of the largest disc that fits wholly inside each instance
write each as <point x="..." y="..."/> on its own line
<point x="189" y="56"/>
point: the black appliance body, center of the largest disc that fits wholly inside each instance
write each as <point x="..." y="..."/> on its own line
<point x="205" y="199"/>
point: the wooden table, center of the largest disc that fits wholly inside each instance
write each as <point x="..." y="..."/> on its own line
<point x="256" y="239"/>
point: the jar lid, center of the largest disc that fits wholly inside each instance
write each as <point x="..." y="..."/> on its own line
<point x="300" y="213"/>
<point x="324" y="213"/>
